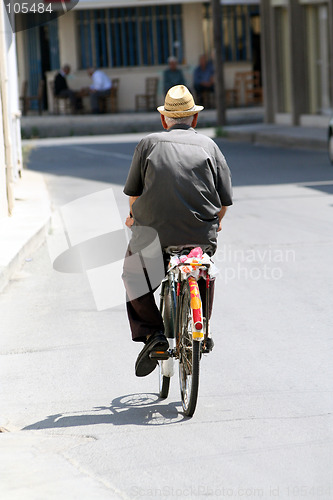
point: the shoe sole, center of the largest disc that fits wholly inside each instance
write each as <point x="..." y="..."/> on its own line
<point x="146" y="364"/>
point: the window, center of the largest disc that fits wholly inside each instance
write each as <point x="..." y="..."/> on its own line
<point x="237" y="31"/>
<point x="130" y="36"/>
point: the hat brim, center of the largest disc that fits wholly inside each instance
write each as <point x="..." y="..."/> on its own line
<point x="180" y="114"/>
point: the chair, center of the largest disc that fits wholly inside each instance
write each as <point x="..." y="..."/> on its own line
<point x="148" y="101"/>
<point x="208" y="99"/>
<point x="252" y="88"/>
<point x="26" y="100"/>
<point x="233" y="96"/>
<point x="59" y="102"/>
<point x="111" y="99"/>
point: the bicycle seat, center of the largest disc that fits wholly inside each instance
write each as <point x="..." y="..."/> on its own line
<point x="186" y="249"/>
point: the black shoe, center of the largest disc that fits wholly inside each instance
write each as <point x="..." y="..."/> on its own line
<point x="144" y="364"/>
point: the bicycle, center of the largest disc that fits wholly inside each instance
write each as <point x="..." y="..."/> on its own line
<point x="185" y="327"/>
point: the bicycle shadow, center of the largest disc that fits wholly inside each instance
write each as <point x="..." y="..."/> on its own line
<point x="132" y="409"/>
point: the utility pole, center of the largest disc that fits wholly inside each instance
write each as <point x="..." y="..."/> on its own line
<point x="219" y="73"/>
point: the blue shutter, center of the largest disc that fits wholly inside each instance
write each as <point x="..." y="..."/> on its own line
<point x="54" y="44"/>
<point x="35" y="65"/>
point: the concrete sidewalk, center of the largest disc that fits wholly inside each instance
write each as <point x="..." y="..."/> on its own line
<point x="122" y="123"/>
<point x="23" y="232"/>
<point x="243" y="124"/>
<point x="315" y="138"/>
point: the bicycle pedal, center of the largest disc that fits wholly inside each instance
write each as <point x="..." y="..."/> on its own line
<point x="207" y="346"/>
<point x="159" y="355"/>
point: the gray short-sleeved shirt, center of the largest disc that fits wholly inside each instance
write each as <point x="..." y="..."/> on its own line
<point x="183" y="180"/>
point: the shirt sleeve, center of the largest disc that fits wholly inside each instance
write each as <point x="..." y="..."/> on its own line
<point x="224" y="187"/>
<point x="96" y="79"/>
<point x="134" y="183"/>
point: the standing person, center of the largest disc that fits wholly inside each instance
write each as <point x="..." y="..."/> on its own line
<point x="61" y="88"/>
<point x="172" y="75"/>
<point x="203" y="77"/>
<point x="179" y="185"/>
<point x="100" y="87"/>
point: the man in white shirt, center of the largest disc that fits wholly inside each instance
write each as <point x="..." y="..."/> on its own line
<point x="100" y="87"/>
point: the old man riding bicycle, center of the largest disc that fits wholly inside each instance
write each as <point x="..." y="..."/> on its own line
<point x="179" y="185"/>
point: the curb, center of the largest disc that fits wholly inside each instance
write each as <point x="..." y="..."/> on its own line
<point x="301" y="139"/>
<point x="25" y="231"/>
<point x="28" y="248"/>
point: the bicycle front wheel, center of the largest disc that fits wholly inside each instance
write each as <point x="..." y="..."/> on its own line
<point x="189" y="355"/>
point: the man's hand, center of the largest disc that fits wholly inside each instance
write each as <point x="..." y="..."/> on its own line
<point x="221" y="214"/>
<point x="129" y="221"/>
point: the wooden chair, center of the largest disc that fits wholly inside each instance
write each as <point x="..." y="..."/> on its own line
<point x="59" y="103"/>
<point x="208" y="99"/>
<point x="26" y="100"/>
<point x="114" y="95"/>
<point x="111" y="100"/>
<point x="148" y="101"/>
<point x="252" y="88"/>
<point x="233" y="96"/>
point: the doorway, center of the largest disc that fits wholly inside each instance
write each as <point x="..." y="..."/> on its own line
<point x="44" y="40"/>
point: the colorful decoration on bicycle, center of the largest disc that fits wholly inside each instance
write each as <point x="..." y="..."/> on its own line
<point x="193" y="262"/>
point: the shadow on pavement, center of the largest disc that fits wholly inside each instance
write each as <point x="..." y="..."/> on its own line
<point x="132" y="409"/>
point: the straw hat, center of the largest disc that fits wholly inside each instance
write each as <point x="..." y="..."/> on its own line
<point x="178" y="103"/>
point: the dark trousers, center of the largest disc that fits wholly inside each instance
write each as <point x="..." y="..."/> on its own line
<point x="204" y="95"/>
<point x="75" y="100"/>
<point x="94" y="99"/>
<point x="143" y="314"/>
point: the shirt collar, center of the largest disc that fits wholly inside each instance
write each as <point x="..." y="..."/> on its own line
<point x="181" y="126"/>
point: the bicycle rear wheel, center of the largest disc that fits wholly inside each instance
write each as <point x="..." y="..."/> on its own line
<point x="189" y="355"/>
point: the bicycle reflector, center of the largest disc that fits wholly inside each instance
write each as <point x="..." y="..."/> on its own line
<point x="198" y="325"/>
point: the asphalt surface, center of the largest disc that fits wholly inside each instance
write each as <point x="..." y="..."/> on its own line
<point x="81" y="425"/>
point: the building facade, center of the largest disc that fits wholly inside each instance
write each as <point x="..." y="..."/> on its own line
<point x="297" y="50"/>
<point x="133" y="39"/>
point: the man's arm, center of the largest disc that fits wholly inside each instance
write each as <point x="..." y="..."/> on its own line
<point x="129" y="219"/>
<point x="221" y="214"/>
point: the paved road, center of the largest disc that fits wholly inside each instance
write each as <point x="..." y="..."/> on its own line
<point x="83" y="426"/>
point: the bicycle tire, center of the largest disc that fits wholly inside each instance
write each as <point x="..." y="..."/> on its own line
<point x="189" y="355"/>
<point x="164" y="382"/>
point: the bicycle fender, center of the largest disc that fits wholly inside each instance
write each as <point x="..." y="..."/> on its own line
<point x="196" y="308"/>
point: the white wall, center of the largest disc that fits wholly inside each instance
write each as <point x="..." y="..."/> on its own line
<point x="68" y="40"/>
<point x="14" y="106"/>
<point x="22" y="59"/>
<point x="193" y="33"/>
<point x="3" y="193"/>
<point x="10" y="137"/>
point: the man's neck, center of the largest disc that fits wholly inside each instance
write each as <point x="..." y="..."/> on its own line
<point x="179" y="126"/>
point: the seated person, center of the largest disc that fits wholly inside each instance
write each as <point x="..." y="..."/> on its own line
<point x="173" y="75"/>
<point x="100" y="87"/>
<point x="62" y="90"/>
<point x="203" y="78"/>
